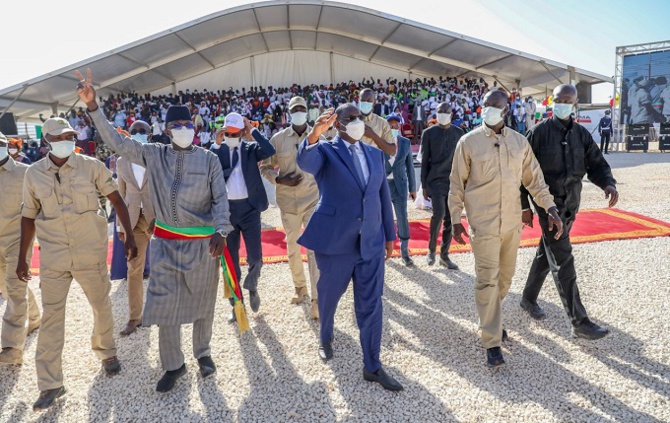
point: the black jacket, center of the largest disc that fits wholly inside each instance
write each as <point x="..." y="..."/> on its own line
<point x="437" y="155"/>
<point x="251" y="154"/>
<point x="566" y="154"/>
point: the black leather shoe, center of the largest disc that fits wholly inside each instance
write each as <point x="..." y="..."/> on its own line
<point x="169" y="379"/>
<point x="446" y="262"/>
<point x="326" y="351"/>
<point x="534" y="310"/>
<point x="494" y="357"/>
<point x="505" y="337"/>
<point x="232" y="318"/>
<point x="111" y="365"/>
<point x="254" y="301"/>
<point x="207" y="366"/>
<point x="47" y="398"/>
<point x="408" y="261"/>
<point x="589" y="330"/>
<point x="382" y="378"/>
<point x="431" y="258"/>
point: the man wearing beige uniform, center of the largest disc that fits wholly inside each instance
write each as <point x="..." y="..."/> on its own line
<point x="60" y="204"/>
<point x="21" y="304"/>
<point x="377" y="129"/>
<point x="297" y="196"/>
<point x="490" y="163"/>
<point x="134" y="188"/>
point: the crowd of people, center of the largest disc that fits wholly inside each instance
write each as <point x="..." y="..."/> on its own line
<point x="342" y="169"/>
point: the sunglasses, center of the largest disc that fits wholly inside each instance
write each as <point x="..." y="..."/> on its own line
<point x="178" y="126"/>
<point x="351" y="119"/>
<point x="138" y="131"/>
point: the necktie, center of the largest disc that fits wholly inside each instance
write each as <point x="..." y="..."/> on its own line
<point x="357" y="164"/>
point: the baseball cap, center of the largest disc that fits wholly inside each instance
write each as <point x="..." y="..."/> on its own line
<point x="297" y="101"/>
<point x="397" y="118"/>
<point x="57" y="126"/>
<point x="234" y="123"/>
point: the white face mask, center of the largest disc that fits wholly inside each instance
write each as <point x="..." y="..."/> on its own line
<point x="141" y="138"/>
<point x="13" y="151"/>
<point x="444" y="118"/>
<point x="355" y="130"/>
<point x="3" y="153"/>
<point x="232" y="142"/>
<point x="62" y="149"/>
<point x="183" y="137"/>
<point x="299" y="118"/>
<point x="492" y="115"/>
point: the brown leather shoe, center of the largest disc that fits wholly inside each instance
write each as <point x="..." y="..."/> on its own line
<point x="11" y="356"/>
<point x="315" y="310"/>
<point x="32" y="327"/>
<point x="111" y="366"/>
<point x="299" y="296"/>
<point x="131" y="327"/>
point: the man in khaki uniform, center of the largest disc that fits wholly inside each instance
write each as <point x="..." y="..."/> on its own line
<point x="490" y="163"/>
<point x="134" y="188"/>
<point x="377" y="129"/>
<point x="60" y="204"/>
<point x="297" y="196"/>
<point x="21" y="304"/>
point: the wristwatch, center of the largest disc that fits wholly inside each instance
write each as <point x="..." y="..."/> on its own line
<point x="222" y="233"/>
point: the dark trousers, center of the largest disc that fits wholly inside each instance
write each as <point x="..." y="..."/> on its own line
<point x="399" y="201"/>
<point x="368" y="277"/>
<point x="555" y="255"/>
<point x="605" y="141"/>
<point x="247" y="221"/>
<point x="441" y="217"/>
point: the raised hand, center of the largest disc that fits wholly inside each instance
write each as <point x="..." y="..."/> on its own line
<point x="322" y="124"/>
<point x="85" y="89"/>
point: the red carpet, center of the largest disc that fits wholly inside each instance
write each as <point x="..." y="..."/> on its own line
<point x="591" y="226"/>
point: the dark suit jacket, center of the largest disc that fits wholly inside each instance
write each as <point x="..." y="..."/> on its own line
<point x="346" y="210"/>
<point x="403" y="168"/>
<point x="250" y="154"/>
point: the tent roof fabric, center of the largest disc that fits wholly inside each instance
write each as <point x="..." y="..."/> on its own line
<point x="223" y="38"/>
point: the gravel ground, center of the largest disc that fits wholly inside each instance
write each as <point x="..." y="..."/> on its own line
<point x="430" y="343"/>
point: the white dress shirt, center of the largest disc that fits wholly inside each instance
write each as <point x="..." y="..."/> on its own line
<point x="138" y="171"/>
<point x="237" y="187"/>
<point x="392" y="160"/>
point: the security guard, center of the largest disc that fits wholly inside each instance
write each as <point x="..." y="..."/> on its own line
<point x="21" y="304"/>
<point x="566" y="153"/>
<point x="297" y="196"/>
<point x="377" y="129"/>
<point x="490" y="163"/>
<point x="60" y="204"/>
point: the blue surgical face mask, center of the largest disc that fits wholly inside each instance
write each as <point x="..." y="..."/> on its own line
<point x="366" y="107"/>
<point x="143" y="138"/>
<point x="562" y="110"/>
<point x="395" y="132"/>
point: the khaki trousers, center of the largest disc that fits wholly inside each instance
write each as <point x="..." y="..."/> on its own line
<point x="55" y="286"/>
<point x="21" y="304"/>
<point x="136" y="269"/>
<point x="293" y="224"/>
<point x="495" y="261"/>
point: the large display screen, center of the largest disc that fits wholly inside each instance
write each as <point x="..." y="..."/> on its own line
<point x="645" y="92"/>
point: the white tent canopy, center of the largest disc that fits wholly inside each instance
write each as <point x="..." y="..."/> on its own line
<point x="278" y="43"/>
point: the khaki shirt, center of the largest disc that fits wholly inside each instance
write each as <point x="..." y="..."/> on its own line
<point x="379" y="126"/>
<point x="305" y="195"/>
<point x="71" y="233"/>
<point x="11" y="185"/>
<point x="486" y="179"/>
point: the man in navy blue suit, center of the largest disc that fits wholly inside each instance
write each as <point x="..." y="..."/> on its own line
<point x="401" y="180"/>
<point x="246" y="196"/>
<point x="351" y="231"/>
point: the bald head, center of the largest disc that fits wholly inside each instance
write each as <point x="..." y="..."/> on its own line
<point x="496" y="98"/>
<point x="368" y="95"/>
<point x="565" y="93"/>
<point x="443" y="107"/>
<point x="139" y="124"/>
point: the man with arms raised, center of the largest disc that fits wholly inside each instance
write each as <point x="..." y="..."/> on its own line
<point x="188" y="193"/>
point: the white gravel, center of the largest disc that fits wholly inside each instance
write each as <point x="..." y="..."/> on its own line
<point x="430" y="343"/>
